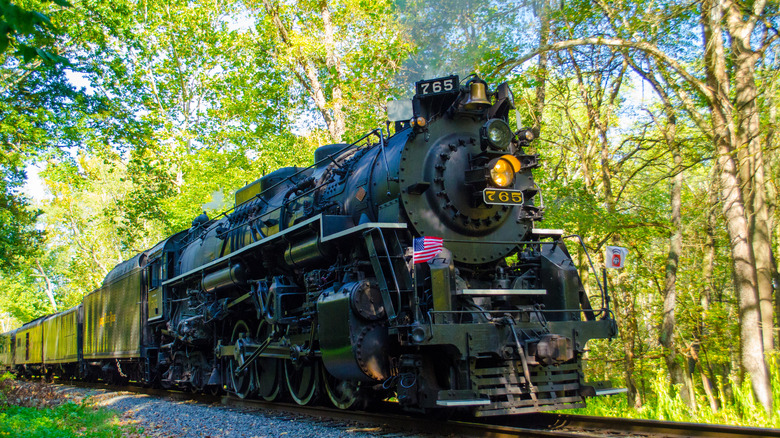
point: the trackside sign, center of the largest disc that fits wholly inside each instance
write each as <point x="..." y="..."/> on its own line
<point x="615" y="257"/>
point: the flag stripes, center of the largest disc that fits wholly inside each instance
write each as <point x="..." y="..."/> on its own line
<point x="426" y="248"/>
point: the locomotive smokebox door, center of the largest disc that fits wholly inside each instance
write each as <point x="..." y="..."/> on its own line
<point x="353" y="334"/>
<point x="440" y="200"/>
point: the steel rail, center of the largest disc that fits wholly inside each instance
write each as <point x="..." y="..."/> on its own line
<point x="527" y="425"/>
<point x="390" y="419"/>
<point x="405" y="423"/>
<point x="631" y="426"/>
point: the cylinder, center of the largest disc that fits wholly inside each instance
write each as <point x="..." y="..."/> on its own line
<point x="230" y="276"/>
<point x="306" y="252"/>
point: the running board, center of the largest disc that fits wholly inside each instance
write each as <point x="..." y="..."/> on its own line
<point x="611" y="391"/>
<point x="450" y="398"/>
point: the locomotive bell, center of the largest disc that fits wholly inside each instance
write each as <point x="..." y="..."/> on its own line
<point x="477" y="96"/>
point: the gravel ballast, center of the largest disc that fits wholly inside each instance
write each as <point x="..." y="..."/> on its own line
<point x="159" y="417"/>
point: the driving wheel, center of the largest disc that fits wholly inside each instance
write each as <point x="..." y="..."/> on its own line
<point x="267" y="371"/>
<point x="302" y="379"/>
<point x="344" y="394"/>
<point x="242" y="382"/>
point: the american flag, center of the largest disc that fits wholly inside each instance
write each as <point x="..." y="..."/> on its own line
<point x="426" y="248"/>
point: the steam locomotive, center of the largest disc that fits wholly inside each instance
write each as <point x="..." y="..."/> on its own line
<point x="402" y="267"/>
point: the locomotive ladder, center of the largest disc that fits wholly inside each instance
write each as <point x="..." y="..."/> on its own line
<point x="386" y="255"/>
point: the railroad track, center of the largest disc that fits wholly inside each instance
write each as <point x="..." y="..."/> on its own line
<point x="606" y="426"/>
<point x="531" y="425"/>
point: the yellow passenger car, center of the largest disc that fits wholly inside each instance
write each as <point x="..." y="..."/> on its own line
<point x="62" y="340"/>
<point x="6" y="351"/>
<point x="28" y="351"/>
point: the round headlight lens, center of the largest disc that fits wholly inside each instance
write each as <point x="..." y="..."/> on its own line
<point x="496" y="134"/>
<point x="502" y="173"/>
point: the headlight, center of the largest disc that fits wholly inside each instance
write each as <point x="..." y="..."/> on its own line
<point x="496" y="134"/>
<point x="503" y="169"/>
<point x="501" y="173"/>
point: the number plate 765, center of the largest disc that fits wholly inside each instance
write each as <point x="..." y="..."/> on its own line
<point x="437" y="86"/>
<point x="502" y="197"/>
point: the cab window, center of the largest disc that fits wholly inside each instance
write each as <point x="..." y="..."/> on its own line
<point x="154" y="275"/>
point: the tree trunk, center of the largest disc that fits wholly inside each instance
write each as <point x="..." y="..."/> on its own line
<point x="333" y="63"/>
<point x="48" y="287"/>
<point x="744" y="276"/>
<point x="706" y="293"/>
<point x="629" y="333"/>
<point x="308" y="75"/>
<point x="602" y="124"/>
<point x="677" y="375"/>
<point x="772" y="193"/>
<point x="751" y="156"/>
<point x="541" y="68"/>
<point x="724" y="138"/>
<point x="761" y="240"/>
<point x="676" y="372"/>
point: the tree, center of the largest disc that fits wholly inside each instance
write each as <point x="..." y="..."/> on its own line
<point x="342" y="54"/>
<point x="27" y="109"/>
<point x="733" y="126"/>
<point x="187" y="95"/>
<point x="18" y="236"/>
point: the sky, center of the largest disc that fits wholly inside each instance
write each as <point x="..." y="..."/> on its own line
<point x="34" y="187"/>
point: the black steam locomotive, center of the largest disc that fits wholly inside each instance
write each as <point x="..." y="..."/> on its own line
<point x="403" y="267"/>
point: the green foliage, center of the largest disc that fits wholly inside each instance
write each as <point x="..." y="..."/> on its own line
<point x="144" y="147"/>
<point x="66" y="420"/>
<point x="81" y="220"/>
<point x="21" y="416"/>
<point x="27" y="31"/>
<point x="369" y="46"/>
<point x="5" y="378"/>
<point x="41" y="114"/>
<point x="194" y="109"/>
<point x="18" y="235"/>
<point x="22" y="298"/>
<point x="736" y="404"/>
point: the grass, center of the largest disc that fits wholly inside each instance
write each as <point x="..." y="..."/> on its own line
<point x="65" y="420"/>
<point x="738" y="408"/>
<point x="31" y="411"/>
